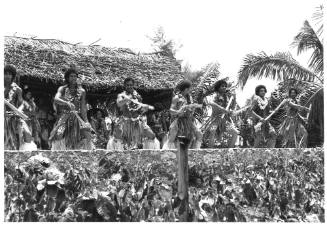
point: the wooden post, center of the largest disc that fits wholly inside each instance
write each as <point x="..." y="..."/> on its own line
<point x="182" y="159"/>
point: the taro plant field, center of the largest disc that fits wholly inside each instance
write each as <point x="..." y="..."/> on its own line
<point x="231" y="185"/>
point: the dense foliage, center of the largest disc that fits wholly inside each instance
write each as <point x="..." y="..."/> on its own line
<point x="225" y="185"/>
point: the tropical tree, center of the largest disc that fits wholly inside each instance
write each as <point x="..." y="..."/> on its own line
<point x="282" y="66"/>
<point x="191" y="74"/>
<point x="161" y="43"/>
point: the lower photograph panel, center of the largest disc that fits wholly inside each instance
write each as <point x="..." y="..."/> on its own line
<point x="231" y="185"/>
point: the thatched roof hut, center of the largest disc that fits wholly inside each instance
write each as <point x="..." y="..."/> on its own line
<point x="41" y="64"/>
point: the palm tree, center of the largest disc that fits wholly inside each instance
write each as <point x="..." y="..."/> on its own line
<point x="282" y="66"/>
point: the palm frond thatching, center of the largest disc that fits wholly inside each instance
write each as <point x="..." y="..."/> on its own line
<point x="281" y="66"/>
<point x="307" y="39"/>
<point x="101" y="68"/>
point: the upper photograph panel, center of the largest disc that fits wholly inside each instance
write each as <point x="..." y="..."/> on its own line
<point x="121" y="81"/>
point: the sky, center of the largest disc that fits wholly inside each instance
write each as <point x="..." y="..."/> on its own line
<point x="223" y="31"/>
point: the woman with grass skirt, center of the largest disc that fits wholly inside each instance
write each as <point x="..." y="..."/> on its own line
<point x="13" y="94"/>
<point x="292" y="130"/>
<point x="221" y="120"/>
<point x="29" y="108"/>
<point x="183" y="121"/>
<point x="72" y="130"/>
<point x="17" y="133"/>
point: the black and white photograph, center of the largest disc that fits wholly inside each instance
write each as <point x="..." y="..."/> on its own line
<point x="163" y="111"/>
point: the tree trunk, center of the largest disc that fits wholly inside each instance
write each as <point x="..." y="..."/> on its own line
<point x="182" y="155"/>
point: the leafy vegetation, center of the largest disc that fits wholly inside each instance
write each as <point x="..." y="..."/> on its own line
<point x="225" y="185"/>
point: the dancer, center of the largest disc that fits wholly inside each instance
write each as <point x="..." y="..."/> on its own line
<point x="115" y="141"/>
<point x="132" y="128"/>
<point x="99" y="126"/>
<point x="265" y="134"/>
<point x="157" y="123"/>
<point x="292" y="129"/>
<point x="221" y="120"/>
<point x="13" y="129"/>
<point x="47" y="120"/>
<point x="29" y="108"/>
<point x="183" y="121"/>
<point x="72" y="130"/>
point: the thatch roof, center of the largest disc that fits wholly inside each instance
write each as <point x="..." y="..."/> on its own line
<point x="44" y="60"/>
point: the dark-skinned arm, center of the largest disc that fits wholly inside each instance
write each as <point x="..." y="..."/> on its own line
<point x="58" y="99"/>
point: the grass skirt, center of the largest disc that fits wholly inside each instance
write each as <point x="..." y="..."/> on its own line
<point x="68" y="135"/>
<point x="28" y="146"/>
<point x="185" y="127"/>
<point x="11" y="132"/>
<point x="115" y="144"/>
<point x="151" y="144"/>
<point x="17" y="134"/>
<point x="293" y="132"/>
<point x="34" y="127"/>
<point x="265" y="135"/>
<point x="215" y="128"/>
<point x="218" y="125"/>
<point x="130" y="130"/>
<point x="181" y="126"/>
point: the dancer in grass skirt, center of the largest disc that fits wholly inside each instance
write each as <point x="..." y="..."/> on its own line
<point x="99" y="126"/>
<point x="17" y="133"/>
<point x="72" y="130"/>
<point x="265" y="134"/>
<point x="183" y="121"/>
<point x="292" y="129"/>
<point x="133" y="129"/>
<point x="29" y="108"/>
<point x="219" y="123"/>
<point x="13" y="125"/>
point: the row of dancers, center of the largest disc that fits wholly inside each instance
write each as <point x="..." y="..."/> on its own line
<point x="73" y="130"/>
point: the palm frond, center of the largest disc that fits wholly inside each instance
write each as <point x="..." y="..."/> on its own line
<point x="308" y="39"/>
<point x="318" y="17"/>
<point x="210" y="75"/>
<point x="281" y="66"/>
<point x="319" y="14"/>
<point x="202" y="85"/>
<point x="316" y="62"/>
